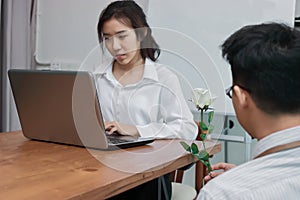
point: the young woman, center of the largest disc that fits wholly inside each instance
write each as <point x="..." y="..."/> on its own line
<point x="138" y="96"/>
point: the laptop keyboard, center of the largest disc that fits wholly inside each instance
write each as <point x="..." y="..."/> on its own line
<point x="116" y="140"/>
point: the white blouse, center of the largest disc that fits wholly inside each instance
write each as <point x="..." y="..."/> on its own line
<point x="155" y="104"/>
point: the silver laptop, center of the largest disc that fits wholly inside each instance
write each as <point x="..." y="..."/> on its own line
<point x="63" y="107"/>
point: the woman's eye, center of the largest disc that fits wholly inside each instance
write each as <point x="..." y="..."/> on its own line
<point x="122" y="36"/>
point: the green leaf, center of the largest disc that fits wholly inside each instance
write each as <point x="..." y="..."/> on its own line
<point x="198" y="156"/>
<point x="210" y="128"/>
<point x="210" y="116"/>
<point x="203" y="136"/>
<point x="203" y="155"/>
<point x="203" y="126"/>
<point x="209" y="168"/>
<point x="194" y="148"/>
<point x="204" y="163"/>
<point x="186" y="146"/>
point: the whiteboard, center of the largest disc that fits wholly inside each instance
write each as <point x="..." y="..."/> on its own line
<point x="66" y="30"/>
<point x="190" y="33"/>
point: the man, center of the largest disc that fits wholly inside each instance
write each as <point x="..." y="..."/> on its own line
<point x="265" y="65"/>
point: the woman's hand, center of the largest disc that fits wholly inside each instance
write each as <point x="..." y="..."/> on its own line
<point x="223" y="167"/>
<point x="122" y="129"/>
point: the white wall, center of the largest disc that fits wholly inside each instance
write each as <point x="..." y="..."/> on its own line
<point x="190" y="33"/>
<point x="16" y="46"/>
<point x="297" y="8"/>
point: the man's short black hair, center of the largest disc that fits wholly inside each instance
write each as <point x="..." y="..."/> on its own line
<point x="265" y="59"/>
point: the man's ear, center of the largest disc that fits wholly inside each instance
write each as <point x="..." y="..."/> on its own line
<point x="242" y="97"/>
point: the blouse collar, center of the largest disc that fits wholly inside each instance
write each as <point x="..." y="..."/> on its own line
<point x="149" y="70"/>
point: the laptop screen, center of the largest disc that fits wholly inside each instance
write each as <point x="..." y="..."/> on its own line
<point x="61" y="106"/>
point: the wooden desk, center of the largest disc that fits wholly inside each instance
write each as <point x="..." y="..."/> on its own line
<point x="40" y="170"/>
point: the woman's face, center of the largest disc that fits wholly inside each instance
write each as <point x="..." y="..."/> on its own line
<point x="121" y="41"/>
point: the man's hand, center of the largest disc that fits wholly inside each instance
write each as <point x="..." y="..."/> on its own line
<point x="122" y="129"/>
<point x="223" y="167"/>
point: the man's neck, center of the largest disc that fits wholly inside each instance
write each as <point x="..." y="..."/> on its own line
<point x="269" y="124"/>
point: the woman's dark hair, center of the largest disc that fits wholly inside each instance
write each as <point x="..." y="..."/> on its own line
<point x="265" y="59"/>
<point x="131" y="14"/>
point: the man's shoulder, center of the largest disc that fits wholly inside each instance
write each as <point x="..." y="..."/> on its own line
<point x="257" y="176"/>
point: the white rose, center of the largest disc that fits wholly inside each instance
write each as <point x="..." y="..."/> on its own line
<point x="202" y="98"/>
